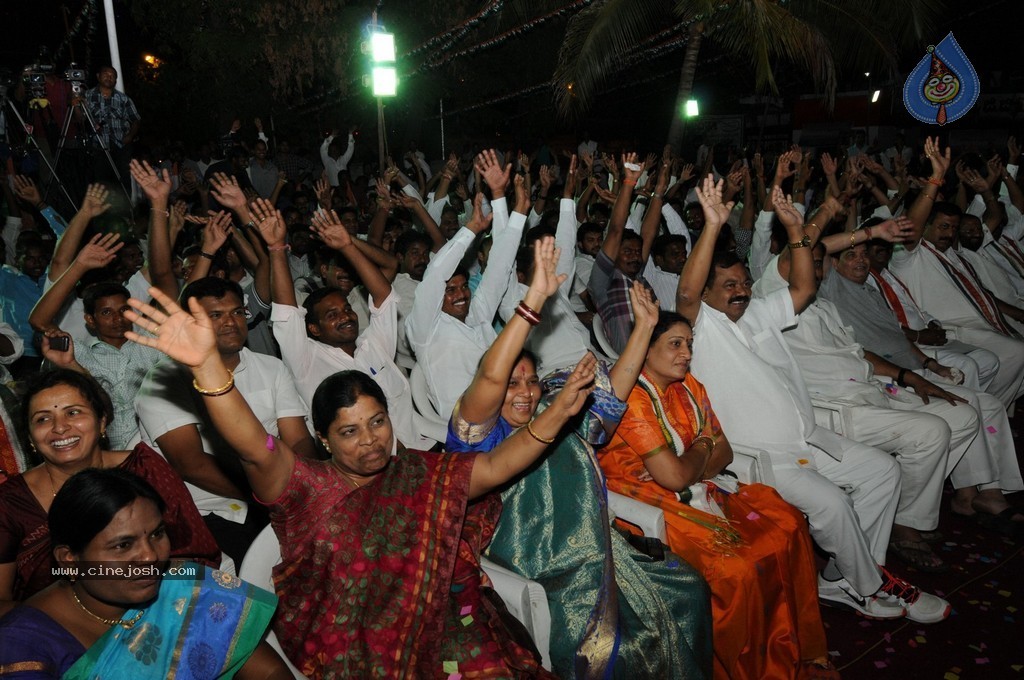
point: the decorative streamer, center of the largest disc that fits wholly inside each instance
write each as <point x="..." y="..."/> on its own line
<point x="87" y="13"/>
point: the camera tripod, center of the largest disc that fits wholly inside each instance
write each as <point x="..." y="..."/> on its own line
<point x="77" y="104"/>
<point x="29" y="139"/>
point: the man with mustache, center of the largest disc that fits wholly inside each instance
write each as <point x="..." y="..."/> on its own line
<point x="948" y="287"/>
<point x="848" y="491"/>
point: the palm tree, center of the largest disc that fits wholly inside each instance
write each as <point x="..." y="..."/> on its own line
<point x="814" y="35"/>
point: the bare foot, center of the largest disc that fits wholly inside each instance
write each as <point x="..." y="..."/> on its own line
<point x="992" y="502"/>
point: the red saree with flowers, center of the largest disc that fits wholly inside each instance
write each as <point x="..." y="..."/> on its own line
<point x="384" y="580"/>
<point x="759" y="563"/>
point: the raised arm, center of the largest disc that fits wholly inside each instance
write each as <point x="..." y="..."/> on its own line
<point x="274" y="232"/>
<point x="215" y="235"/>
<point x="802" y="283"/>
<point x="190" y="340"/>
<point x="629" y="364"/>
<point x="698" y="264"/>
<point x="332" y="232"/>
<point x="620" y="209"/>
<point x="518" y="452"/>
<point x="97" y="253"/>
<point x="157" y="187"/>
<point x="652" y="220"/>
<point x="483" y="399"/>
<point x="93" y="205"/>
<point x="922" y="206"/>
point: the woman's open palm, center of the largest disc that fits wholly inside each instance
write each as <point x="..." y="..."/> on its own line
<point x="187" y="338"/>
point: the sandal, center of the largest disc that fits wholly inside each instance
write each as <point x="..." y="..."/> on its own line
<point x="1002" y="523"/>
<point x="918" y="554"/>
<point x="932" y="536"/>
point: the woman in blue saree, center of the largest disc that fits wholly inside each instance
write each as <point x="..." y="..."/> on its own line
<point x="123" y="610"/>
<point x="616" y="612"/>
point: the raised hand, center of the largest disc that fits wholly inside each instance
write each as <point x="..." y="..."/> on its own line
<point x="940" y="161"/>
<point x="326" y="225"/>
<point x="578" y="386"/>
<point x="587" y="160"/>
<point x="269" y="222"/>
<point x="645" y="307"/>
<point x="994" y="168"/>
<point x="757" y="163"/>
<point x="405" y="200"/>
<point x="227" y="192"/>
<point x="156" y="184"/>
<point x="1013" y="150"/>
<point x="649" y="161"/>
<point x="786" y="166"/>
<point x="546" y="177"/>
<point x="99" y="251"/>
<point x="27" y="190"/>
<point x="787" y="214"/>
<point x="974" y="180"/>
<point x="687" y="172"/>
<point x="546" y="278"/>
<point x="178" y="211"/>
<point x="524" y="163"/>
<point x="710" y="197"/>
<point x="492" y="173"/>
<point x="828" y="164"/>
<point x="479" y="222"/>
<point x="522" y="195"/>
<point x="631" y="169"/>
<point x="95" y="202"/>
<point x="570" y="179"/>
<point x="897" y="230"/>
<point x="187" y="338"/>
<point x="216" y="231"/>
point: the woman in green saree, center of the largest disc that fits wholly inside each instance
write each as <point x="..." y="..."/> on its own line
<point x="616" y="612"/>
<point x="122" y="609"/>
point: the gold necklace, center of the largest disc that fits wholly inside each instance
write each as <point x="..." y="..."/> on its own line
<point x="53" y="487"/>
<point x="344" y="474"/>
<point x="127" y="625"/>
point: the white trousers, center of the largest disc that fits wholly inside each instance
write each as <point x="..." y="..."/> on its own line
<point x="850" y="506"/>
<point x="1008" y="383"/>
<point x="978" y="365"/>
<point x="990" y="461"/>
<point x="928" y="440"/>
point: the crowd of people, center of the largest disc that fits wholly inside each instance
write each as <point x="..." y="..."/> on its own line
<point x="405" y="369"/>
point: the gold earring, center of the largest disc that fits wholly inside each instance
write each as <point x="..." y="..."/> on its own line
<point x="326" y="445"/>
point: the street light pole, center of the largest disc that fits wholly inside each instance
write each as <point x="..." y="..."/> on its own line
<point x="115" y="53"/>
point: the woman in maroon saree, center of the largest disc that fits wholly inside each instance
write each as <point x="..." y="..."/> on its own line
<point x="64" y="417"/>
<point x="379" y="552"/>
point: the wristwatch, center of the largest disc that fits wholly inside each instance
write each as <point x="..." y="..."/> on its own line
<point x="805" y="242"/>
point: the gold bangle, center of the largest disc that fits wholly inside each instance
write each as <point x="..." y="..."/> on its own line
<point x="216" y="392"/>
<point x="706" y="439"/>
<point x="853" y="238"/>
<point x="542" y="440"/>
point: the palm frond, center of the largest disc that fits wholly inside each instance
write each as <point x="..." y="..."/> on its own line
<point x="595" y="42"/>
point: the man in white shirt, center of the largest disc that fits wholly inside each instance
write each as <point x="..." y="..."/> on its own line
<point x="848" y="491"/>
<point x="589" y="237"/>
<point x="978" y="365"/>
<point x="449" y="328"/>
<point x="324" y="338"/>
<point x="333" y="159"/>
<point x="174" y="421"/>
<point x="941" y="283"/>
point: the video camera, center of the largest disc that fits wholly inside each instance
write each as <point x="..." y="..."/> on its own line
<point x="34" y="75"/>
<point x="76" y="76"/>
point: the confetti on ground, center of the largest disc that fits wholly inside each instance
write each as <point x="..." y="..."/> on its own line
<point x="950" y="676"/>
<point x="450" y="666"/>
<point x="753" y="515"/>
<point x="880" y="664"/>
<point x="1016" y="667"/>
<point x="466" y="620"/>
<point x="455" y="676"/>
<point x="466" y="610"/>
<point x="991" y="430"/>
<point x="1004" y="593"/>
<point x="981" y="660"/>
<point x="1011" y="609"/>
<point x="921" y="640"/>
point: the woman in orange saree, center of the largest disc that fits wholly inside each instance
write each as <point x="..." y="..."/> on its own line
<point x="751" y="546"/>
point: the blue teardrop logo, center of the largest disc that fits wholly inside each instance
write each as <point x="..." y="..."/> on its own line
<point x="943" y="86"/>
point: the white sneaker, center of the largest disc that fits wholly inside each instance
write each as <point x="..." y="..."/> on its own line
<point x="841" y="594"/>
<point x="921" y="606"/>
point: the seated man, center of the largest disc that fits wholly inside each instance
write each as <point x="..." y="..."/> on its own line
<point x="449" y="328"/>
<point x="989" y="465"/>
<point x="1007" y="286"/>
<point x="848" y="491"/>
<point x="174" y="421"/>
<point x="979" y="366"/>
<point x="324" y="338"/>
<point x="941" y="283"/>
<point x="413" y="250"/>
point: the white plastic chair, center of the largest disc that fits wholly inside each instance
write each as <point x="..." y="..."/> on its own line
<point x="838" y="418"/>
<point x="602" y="339"/>
<point x="430" y="422"/>
<point x="751" y="466"/>
<point x="257" y="568"/>
<point x="525" y="600"/>
<point x="647" y="518"/>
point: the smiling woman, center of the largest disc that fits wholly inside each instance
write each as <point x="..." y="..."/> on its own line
<point x="64" y="420"/>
